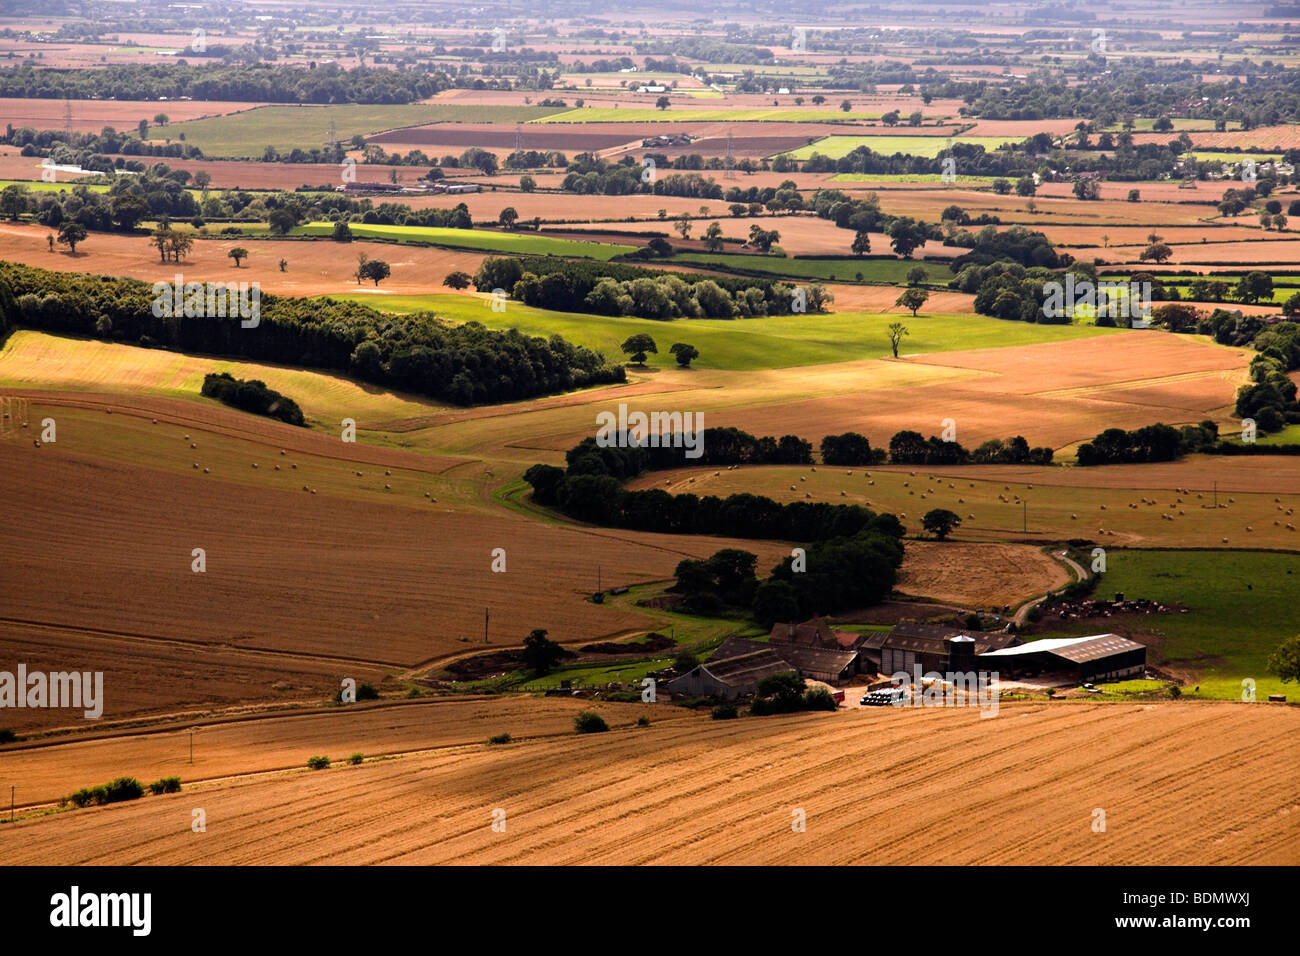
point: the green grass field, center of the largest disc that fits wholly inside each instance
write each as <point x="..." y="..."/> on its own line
<point x="1209" y="156"/>
<point x="1241" y="607"/>
<point x="637" y="114"/>
<point x="40" y="186"/>
<point x="745" y="344"/>
<point x="517" y="243"/>
<point x="837" y="147"/>
<point x="245" y="135"/>
<point x="841" y="270"/>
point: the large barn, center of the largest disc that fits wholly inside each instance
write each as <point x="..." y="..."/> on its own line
<point x="1099" y="657"/>
<point x="833" y="665"/>
<point x="730" y="678"/>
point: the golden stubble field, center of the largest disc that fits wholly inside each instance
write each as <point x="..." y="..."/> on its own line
<point x="1178" y="783"/>
<point x="101" y="529"/>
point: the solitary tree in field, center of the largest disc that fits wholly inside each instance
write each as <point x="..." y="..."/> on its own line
<point x="71" y="233"/>
<point x="916" y="276"/>
<point x="375" y="270"/>
<point x="142" y="128"/>
<point x="203" y="179"/>
<point x="457" y="280"/>
<point x="1025" y="186"/>
<point x="1285" y="661"/>
<point x="913" y="299"/>
<point x="896" y="332"/>
<point x="239" y="253"/>
<point x="663" y="103"/>
<point x="541" y="654"/>
<point x="940" y="522"/>
<point x="526" y="183"/>
<point x="861" y="243"/>
<point x="683" y="225"/>
<point x="160" y="119"/>
<point x="509" y="216"/>
<point x="637" y="346"/>
<point x="1157" y="251"/>
<point x="845" y="106"/>
<point x="713" y="237"/>
<point x="818" y="100"/>
<point x="685" y="353"/>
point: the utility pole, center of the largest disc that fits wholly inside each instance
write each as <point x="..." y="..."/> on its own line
<point x="1216" y="494"/>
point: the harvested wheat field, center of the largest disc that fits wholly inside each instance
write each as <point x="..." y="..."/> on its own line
<point x="227" y="746"/>
<point x="146" y="676"/>
<point x="1131" y="505"/>
<point x="313" y="267"/>
<point x="366" y="573"/>
<point x="1185" y="783"/>
<point x="978" y="575"/>
<point x="91" y="116"/>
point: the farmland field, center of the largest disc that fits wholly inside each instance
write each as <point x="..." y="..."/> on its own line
<point x="247" y="134"/>
<point x="836" y="147"/>
<point x="713" y="792"/>
<point x="450" y="617"/>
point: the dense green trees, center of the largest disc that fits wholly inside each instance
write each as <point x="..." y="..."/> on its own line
<point x="463" y="364"/>
<point x="608" y="288"/>
<point x="266" y="83"/>
<point x="251" y="396"/>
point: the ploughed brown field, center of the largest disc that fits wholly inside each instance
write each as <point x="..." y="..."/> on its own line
<point x="1179" y="783"/>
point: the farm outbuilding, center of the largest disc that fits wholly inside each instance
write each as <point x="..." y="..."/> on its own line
<point x="730" y="678"/>
<point x="832" y="665"/>
<point x="933" y="647"/>
<point x="1099" y="657"/>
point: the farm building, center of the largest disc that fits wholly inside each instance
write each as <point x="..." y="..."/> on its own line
<point x="667" y="139"/>
<point x="830" y="664"/>
<point x="931" y="646"/>
<point x="815" y="632"/>
<point x="1099" y="657"/>
<point x="730" y="678"/>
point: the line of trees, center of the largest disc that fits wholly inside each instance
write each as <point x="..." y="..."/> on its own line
<point x="262" y="82"/>
<point x="1150" y="443"/>
<point x="462" y="364"/>
<point x="607" y="288"/>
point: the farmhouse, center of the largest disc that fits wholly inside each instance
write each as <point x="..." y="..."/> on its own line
<point x="731" y="678"/>
<point x="828" y="664"/>
<point x="1099" y="657"/>
<point x="815" y="632"/>
<point x="934" y="647"/>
